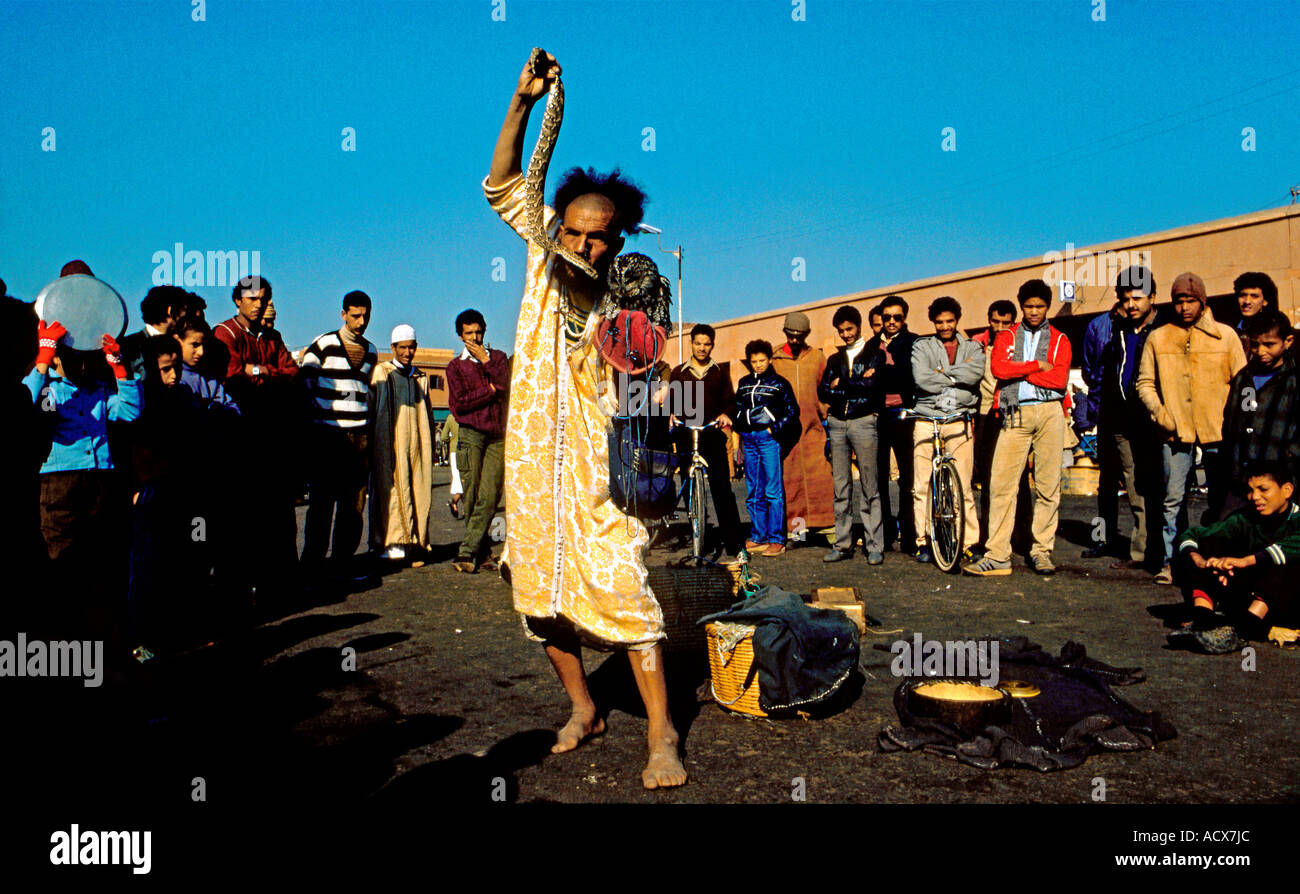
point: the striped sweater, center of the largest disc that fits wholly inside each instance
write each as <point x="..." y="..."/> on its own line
<point x="340" y="392"/>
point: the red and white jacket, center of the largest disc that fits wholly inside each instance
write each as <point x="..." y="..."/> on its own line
<point x="1005" y="367"/>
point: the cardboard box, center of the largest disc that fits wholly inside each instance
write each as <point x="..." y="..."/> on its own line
<point x="844" y="599"/>
<point x="856" y="612"/>
<point x="837" y="596"/>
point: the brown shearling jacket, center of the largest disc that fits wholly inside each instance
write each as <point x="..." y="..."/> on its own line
<point x="1184" y="377"/>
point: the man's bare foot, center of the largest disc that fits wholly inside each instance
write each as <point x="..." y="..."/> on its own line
<point x="664" y="768"/>
<point x="579" y="728"/>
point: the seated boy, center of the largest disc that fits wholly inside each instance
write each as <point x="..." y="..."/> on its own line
<point x="765" y="406"/>
<point x="1235" y="571"/>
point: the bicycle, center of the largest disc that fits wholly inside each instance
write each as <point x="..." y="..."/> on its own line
<point x="947" y="523"/>
<point x="693" y="490"/>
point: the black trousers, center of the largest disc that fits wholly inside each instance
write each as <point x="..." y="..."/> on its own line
<point x="1129" y="455"/>
<point x="896" y="434"/>
<point x="713" y="447"/>
<point x="1274" y="584"/>
<point x="341" y="473"/>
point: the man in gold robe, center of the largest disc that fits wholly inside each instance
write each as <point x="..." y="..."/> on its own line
<point x="575" y="562"/>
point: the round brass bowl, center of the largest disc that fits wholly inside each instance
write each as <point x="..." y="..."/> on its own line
<point x="961" y="703"/>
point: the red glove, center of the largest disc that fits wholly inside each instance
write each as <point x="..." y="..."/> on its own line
<point x="113" y="354"/>
<point x="48" y="337"/>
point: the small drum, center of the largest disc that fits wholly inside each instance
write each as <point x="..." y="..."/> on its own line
<point x="87" y="307"/>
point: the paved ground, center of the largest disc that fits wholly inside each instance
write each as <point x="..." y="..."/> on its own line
<point x="450" y="702"/>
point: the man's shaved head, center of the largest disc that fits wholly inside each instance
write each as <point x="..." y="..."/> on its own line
<point x="590" y="228"/>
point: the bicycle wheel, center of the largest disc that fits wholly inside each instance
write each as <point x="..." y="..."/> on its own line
<point x="947" y="518"/>
<point x="698" y="513"/>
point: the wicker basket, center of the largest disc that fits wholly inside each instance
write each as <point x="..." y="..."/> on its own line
<point x="729" y="672"/>
<point x="737" y="571"/>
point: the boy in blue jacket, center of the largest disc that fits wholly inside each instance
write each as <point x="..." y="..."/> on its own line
<point x="765" y="406"/>
<point x="83" y="502"/>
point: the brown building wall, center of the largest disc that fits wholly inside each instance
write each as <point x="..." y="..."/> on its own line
<point x="1218" y="251"/>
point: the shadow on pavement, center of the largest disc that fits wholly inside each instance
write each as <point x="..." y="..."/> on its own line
<point x="468" y="778"/>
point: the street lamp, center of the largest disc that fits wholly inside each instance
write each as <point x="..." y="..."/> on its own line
<point x="677" y="253"/>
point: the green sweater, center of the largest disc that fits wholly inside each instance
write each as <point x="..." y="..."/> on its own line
<point x="1272" y="539"/>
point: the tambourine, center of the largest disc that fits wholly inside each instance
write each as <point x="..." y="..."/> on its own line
<point x="87" y="307"/>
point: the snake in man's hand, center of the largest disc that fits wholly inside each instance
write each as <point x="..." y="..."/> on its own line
<point x="535" y="180"/>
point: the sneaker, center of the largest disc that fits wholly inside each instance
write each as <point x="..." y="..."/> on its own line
<point x="971" y="555"/>
<point x="752" y="546"/>
<point x="837" y="555"/>
<point x="987" y="567"/>
<point x="923" y="556"/>
<point x="875" y="558"/>
<point x="1219" y="640"/>
<point x="773" y="549"/>
<point x="1166" y="576"/>
<point x="1042" y="565"/>
<point x="465" y="564"/>
<point x="1095" y="552"/>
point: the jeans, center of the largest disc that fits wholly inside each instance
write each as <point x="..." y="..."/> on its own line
<point x="1178" y="459"/>
<point x="766" y="499"/>
<point x="848" y="438"/>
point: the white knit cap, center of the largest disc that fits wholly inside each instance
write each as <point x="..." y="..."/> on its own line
<point x="403" y="332"/>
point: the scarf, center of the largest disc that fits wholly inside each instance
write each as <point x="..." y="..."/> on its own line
<point x="1009" y="396"/>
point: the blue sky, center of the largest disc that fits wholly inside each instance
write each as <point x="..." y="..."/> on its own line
<point x="774" y="139"/>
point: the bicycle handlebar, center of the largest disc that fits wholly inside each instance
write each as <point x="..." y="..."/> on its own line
<point x="912" y="414"/>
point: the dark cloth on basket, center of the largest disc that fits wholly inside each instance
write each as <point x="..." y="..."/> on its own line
<point x="802" y="654"/>
<point x="1076" y="715"/>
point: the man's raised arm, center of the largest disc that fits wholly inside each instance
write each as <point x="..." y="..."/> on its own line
<point x="509" y="152"/>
